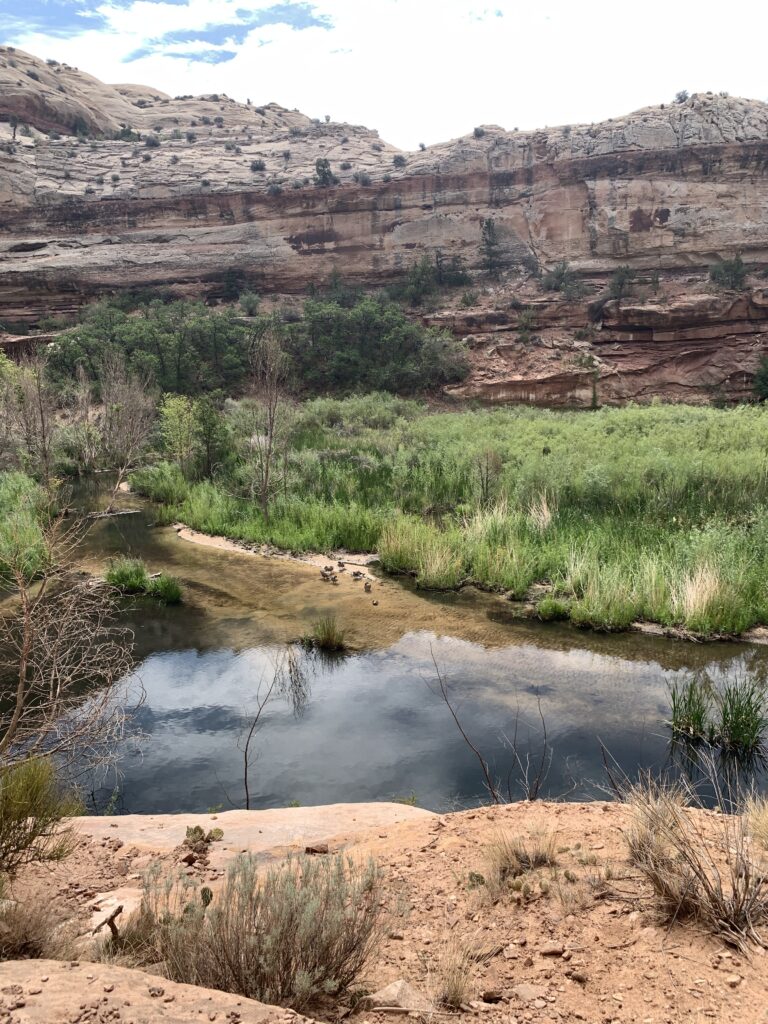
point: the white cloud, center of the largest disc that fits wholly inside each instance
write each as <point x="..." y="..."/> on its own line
<point x="429" y="70"/>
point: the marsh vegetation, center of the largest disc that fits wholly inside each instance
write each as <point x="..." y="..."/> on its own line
<point x="655" y="514"/>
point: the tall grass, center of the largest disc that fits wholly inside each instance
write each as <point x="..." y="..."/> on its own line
<point x="731" y="714"/>
<point x="657" y="513"/>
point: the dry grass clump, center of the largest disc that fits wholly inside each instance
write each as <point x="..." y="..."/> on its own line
<point x="698" y="865"/>
<point x="300" y="930"/>
<point x="454" y="974"/>
<point x="756" y="810"/>
<point x="511" y="857"/>
<point x="541" y="512"/>
<point x="29" y="931"/>
<point x="697" y="595"/>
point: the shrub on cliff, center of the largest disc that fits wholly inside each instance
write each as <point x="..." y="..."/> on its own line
<point x="429" y="276"/>
<point x="729" y="274"/>
<point x="760" y="383"/>
<point x="621" y="282"/>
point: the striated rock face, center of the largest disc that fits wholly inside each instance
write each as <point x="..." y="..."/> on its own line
<point x="666" y="190"/>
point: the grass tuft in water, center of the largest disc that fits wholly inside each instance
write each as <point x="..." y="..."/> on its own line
<point x="165" y="588"/>
<point x="326" y="635"/>
<point x="691" y="707"/>
<point x="129" y="575"/>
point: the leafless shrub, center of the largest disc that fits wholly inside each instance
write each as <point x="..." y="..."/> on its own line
<point x="61" y="652"/>
<point x="130" y="409"/>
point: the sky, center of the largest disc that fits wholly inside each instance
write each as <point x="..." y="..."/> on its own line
<point x="416" y="70"/>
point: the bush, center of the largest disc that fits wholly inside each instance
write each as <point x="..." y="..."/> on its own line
<point x="399" y="160"/>
<point x="729" y="274"/>
<point x="479" y="132"/>
<point x="370" y="346"/>
<point x="152" y="141"/>
<point x="559" y="279"/>
<point x="129" y="575"/>
<point x="258" y="165"/>
<point x="32" y="806"/>
<point x="621" y="282"/>
<point x="302" y="930"/>
<point x="29" y="931"/>
<point x="249" y="303"/>
<point x="550" y="609"/>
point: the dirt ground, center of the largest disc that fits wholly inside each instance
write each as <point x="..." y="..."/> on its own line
<point x="578" y="942"/>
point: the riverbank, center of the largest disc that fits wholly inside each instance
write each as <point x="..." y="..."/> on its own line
<point x="581" y="940"/>
<point x="606" y="519"/>
<point x="345" y="565"/>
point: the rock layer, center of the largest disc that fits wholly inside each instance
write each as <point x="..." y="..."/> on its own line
<point x="228" y="197"/>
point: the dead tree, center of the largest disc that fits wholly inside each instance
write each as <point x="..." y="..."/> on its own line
<point x="62" y="654"/>
<point x="268" y="409"/>
<point x="130" y="410"/>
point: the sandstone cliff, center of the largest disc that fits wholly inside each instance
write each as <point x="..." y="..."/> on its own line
<point x="667" y="190"/>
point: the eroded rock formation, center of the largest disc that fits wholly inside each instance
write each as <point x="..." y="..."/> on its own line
<point x="229" y="193"/>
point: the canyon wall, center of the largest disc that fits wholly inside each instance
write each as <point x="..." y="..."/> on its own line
<point x="226" y="192"/>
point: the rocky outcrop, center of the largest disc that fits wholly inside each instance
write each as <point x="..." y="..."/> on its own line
<point x="686" y="346"/>
<point x="198" y="194"/>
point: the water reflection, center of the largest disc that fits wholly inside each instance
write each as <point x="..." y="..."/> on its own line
<point x="372" y="725"/>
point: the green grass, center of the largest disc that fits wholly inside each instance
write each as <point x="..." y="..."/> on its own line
<point x="165" y="589"/>
<point x="657" y="513"/>
<point x="326" y="635"/>
<point x="130" y="576"/>
<point x="731" y="714"/>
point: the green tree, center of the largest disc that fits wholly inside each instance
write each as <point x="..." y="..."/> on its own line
<point x="729" y="274"/>
<point x="490" y="247"/>
<point x="179" y="430"/>
<point x="760" y="382"/>
<point x="213" y="439"/>
<point x="621" y="282"/>
<point x="324" y="176"/>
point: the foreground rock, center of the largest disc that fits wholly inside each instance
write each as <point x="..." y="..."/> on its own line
<point x="269" y="832"/>
<point x="51" y="992"/>
<point x="579" y="940"/>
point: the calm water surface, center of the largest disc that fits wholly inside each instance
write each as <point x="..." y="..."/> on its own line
<point x="373" y="726"/>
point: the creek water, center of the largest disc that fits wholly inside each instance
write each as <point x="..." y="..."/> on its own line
<point x="373" y="724"/>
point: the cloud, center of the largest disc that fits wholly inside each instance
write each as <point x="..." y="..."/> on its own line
<point x="417" y="70"/>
